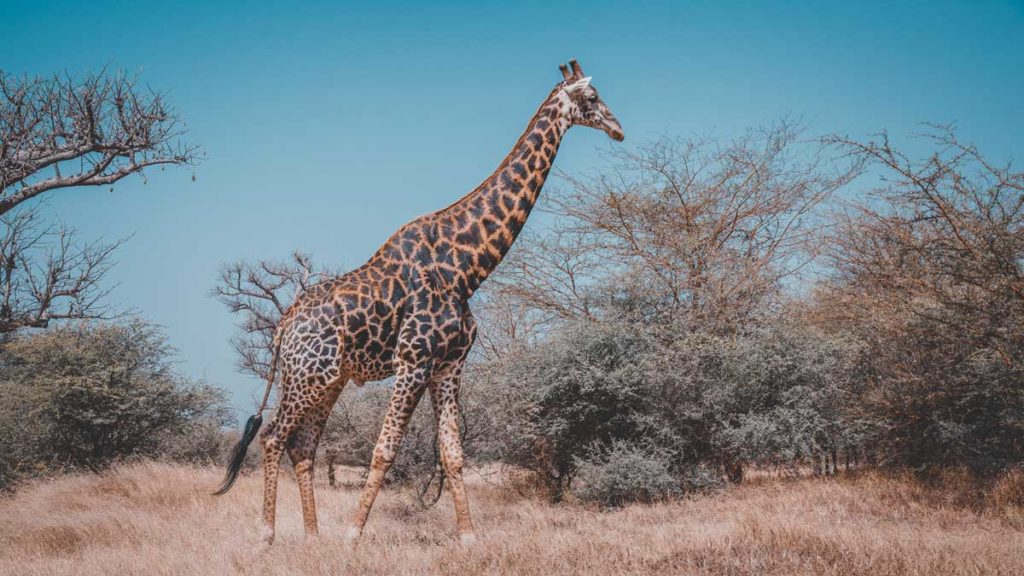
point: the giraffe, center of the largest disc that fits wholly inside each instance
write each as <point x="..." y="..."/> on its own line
<point x="405" y="313"/>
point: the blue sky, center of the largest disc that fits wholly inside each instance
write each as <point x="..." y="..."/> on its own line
<point x="328" y="125"/>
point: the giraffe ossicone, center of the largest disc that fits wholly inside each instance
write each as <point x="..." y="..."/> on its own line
<point x="405" y="313"/>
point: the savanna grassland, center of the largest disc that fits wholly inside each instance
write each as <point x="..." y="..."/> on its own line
<point x="159" y="519"/>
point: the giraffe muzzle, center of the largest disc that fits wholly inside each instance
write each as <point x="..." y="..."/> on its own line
<point x="613" y="129"/>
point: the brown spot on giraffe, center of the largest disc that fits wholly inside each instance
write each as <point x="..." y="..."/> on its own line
<point x="405" y="313"/>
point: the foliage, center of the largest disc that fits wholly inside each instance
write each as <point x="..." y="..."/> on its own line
<point x="909" y="352"/>
<point x="84" y="396"/>
<point x="583" y="387"/>
<point x="929" y="272"/>
<point x="625" y="472"/>
<point x="778" y="396"/>
<point x="782" y="396"/>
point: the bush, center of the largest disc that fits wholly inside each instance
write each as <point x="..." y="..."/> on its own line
<point x="583" y="387"/>
<point x="624" y="473"/>
<point x="83" y="396"/>
<point x="952" y="406"/>
<point x="779" y="395"/>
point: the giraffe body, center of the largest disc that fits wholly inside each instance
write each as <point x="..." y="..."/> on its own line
<point x="405" y="313"/>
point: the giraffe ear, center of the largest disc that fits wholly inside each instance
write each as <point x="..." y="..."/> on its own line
<point x="577" y="87"/>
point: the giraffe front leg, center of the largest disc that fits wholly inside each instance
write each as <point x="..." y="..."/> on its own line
<point x="409" y="386"/>
<point x="445" y="397"/>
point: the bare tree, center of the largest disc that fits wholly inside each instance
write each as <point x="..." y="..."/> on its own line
<point x="58" y="132"/>
<point x="694" y="229"/>
<point x="260" y="292"/>
<point x="47" y="274"/>
<point x="506" y="325"/>
<point x="929" y="274"/>
<point x="942" y="238"/>
<point x="55" y="133"/>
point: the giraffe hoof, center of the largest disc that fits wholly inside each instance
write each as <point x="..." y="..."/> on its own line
<point x="267" y="536"/>
<point x="467" y="539"/>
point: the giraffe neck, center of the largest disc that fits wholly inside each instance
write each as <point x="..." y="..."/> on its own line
<point x="481" y="227"/>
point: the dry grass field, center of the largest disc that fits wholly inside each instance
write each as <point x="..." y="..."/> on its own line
<point x="159" y="519"/>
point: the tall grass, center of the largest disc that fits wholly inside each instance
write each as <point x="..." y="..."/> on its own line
<point x="159" y="519"/>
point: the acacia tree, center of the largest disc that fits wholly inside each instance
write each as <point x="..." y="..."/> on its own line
<point x="943" y="234"/>
<point x="699" y="230"/>
<point x="930" y="273"/>
<point x="58" y="133"/>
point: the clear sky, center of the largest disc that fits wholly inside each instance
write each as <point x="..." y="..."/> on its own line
<point x="328" y="125"/>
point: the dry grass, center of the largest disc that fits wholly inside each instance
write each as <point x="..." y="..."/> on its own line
<point x="158" y="519"/>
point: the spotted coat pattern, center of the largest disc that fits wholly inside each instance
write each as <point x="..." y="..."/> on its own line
<point x="405" y="313"/>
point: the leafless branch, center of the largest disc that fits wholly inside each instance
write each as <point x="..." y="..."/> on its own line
<point x="697" y="229"/>
<point x="46" y="274"/>
<point x="941" y="238"/>
<point x="59" y="132"/>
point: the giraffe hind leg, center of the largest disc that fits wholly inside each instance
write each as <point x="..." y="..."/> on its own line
<point x="445" y="397"/>
<point x="302" y="447"/>
<point x="271" y="465"/>
<point x="291" y="413"/>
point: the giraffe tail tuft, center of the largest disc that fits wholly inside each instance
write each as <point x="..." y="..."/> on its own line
<point x="252" y="426"/>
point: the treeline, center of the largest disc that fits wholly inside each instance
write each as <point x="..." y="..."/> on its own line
<point x="697" y="309"/>
<point x="705" y="306"/>
<point x="701" y="307"/>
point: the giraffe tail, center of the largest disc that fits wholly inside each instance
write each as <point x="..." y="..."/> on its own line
<point x="252" y="426"/>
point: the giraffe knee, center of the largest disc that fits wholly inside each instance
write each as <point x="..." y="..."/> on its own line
<point x="453" y="467"/>
<point x="303" y="465"/>
<point x="383" y="457"/>
<point x="452" y="459"/>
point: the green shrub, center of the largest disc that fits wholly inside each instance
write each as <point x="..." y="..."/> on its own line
<point x="584" y="386"/>
<point x="83" y="396"/>
<point x="625" y="473"/>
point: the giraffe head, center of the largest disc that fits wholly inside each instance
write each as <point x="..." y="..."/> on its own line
<point x="585" y="106"/>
